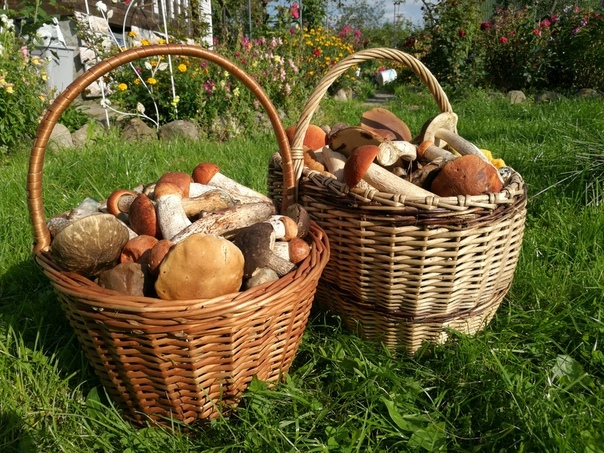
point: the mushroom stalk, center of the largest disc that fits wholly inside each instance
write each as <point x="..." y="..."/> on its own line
<point x="171" y="215"/>
<point x="208" y="173"/>
<point x="385" y="181"/>
<point x="459" y="144"/>
<point x="228" y="220"/>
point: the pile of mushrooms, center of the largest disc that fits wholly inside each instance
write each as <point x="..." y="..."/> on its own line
<point x="381" y="154"/>
<point x="184" y="236"/>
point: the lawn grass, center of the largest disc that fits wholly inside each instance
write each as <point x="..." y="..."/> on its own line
<point x="531" y="381"/>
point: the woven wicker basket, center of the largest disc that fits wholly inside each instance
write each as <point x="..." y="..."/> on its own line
<point x="184" y="360"/>
<point x="403" y="270"/>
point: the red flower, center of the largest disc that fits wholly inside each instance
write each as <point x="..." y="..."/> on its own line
<point x="461" y="33"/>
<point x="295" y="11"/>
<point x="316" y="52"/>
<point x="503" y="40"/>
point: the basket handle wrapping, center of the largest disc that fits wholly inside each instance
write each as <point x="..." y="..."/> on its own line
<point x="34" y="177"/>
<point x="337" y="70"/>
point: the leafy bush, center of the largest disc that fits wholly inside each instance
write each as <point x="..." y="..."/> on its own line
<point x="23" y="91"/>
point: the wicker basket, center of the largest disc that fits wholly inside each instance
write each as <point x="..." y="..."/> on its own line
<point x="403" y="270"/>
<point x="185" y="360"/>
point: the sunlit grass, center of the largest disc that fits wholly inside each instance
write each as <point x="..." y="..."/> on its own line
<point x="531" y="381"/>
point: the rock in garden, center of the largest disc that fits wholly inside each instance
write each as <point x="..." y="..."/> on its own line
<point x="60" y="137"/>
<point x="179" y="129"/>
<point x="547" y="97"/>
<point x="516" y="97"/>
<point x="588" y="93"/>
<point x="87" y="132"/>
<point x="136" y="129"/>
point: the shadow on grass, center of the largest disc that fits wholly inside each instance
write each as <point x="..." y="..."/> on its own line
<point x="30" y="307"/>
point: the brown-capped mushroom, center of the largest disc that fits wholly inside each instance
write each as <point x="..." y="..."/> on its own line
<point x="256" y="243"/>
<point x="137" y="249"/>
<point x="157" y="255"/>
<point x="285" y="227"/>
<point x="380" y="118"/>
<point x="202" y="266"/>
<point x="300" y="215"/>
<point x="127" y="278"/>
<point x="467" y="175"/>
<point x="90" y="245"/>
<point x="295" y="250"/>
<point x="142" y="216"/>
<point x="209" y="173"/>
<point x="314" y="138"/>
<point x="360" y="166"/>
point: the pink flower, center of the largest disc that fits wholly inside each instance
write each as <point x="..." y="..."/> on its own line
<point x="295" y="11"/>
<point x="545" y="23"/>
<point x="292" y="31"/>
<point x="537" y="32"/>
<point x="512" y="32"/>
<point x="503" y="40"/>
<point x="357" y="33"/>
<point x="485" y="26"/>
<point x="24" y="51"/>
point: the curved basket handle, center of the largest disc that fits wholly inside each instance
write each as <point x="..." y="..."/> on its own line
<point x="36" y="162"/>
<point x="338" y="69"/>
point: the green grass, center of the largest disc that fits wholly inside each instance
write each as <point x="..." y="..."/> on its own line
<point x="531" y="381"/>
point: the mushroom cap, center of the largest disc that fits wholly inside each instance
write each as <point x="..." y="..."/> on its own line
<point x="137" y="249"/>
<point x="346" y="140"/>
<point x="126" y="278"/>
<point x="113" y="202"/>
<point x="256" y="243"/>
<point x="90" y="245"/>
<point x="300" y="215"/>
<point x="142" y="216"/>
<point x="466" y="175"/>
<point x="381" y="119"/>
<point x="445" y="120"/>
<point x="358" y="163"/>
<point x="180" y="179"/>
<point x="314" y="138"/>
<point x="157" y="255"/>
<point x="298" y="250"/>
<point x="422" y="147"/>
<point x="204" y="172"/>
<point x="202" y="266"/>
<point x="167" y="188"/>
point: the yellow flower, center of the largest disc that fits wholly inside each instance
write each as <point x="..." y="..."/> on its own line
<point x="9" y="88"/>
<point x="236" y="92"/>
<point x="132" y="34"/>
<point x="136" y="81"/>
<point x="182" y="67"/>
<point x="42" y="96"/>
<point x="277" y="59"/>
<point x="153" y="63"/>
<point x="35" y="61"/>
<point x="161" y="41"/>
<point x="145" y="42"/>
<point x="152" y="81"/>
<point x="175" y="101"/>
<point x="122" y="87"/>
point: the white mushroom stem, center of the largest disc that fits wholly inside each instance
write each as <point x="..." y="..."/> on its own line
<point x="171" y="214"/>
<point x="432" y="152"/>
<point x="235" y="189"/>
<point x="384" y="181"/>
<point x="285" y="227"/>
<point x="392" y="151"/>
<point x="228" y="220"/>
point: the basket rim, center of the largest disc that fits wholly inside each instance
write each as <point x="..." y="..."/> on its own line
<point x="42" y="237"/>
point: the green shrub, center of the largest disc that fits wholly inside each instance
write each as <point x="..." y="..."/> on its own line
<point x="23" y="91"/>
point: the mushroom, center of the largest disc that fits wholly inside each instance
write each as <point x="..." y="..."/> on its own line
<point x="285" y="227"/>
<point x="256" y="243"/>
<point x="209" y="173"/>
<point x="347" y="139"/>
<point x="360" y="166"/>
<point x="137" y="249"/>
<point x="427" y="150"/>
<point x="202" y="266"/>
<point x="157" y="255"/>
<point x="90" y="245"/>
<point x="127" y="278"/>
<point x="142" y="216"/>
<point x="300" y="215"/>
<point x="171" y="216"/>
<point x="467" y="175"/>
<point x="228" y="220"/>
<point x="179" y="179"/>
<point x="294" y="251"/>
<point x="380" y="118"/>
<point x="314" y="137"/>
<point x="442" y="121"/>
<point x="260" y="277"/>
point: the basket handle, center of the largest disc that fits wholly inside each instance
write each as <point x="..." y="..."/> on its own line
<point x="337" y="70"/>
<point x="36" y="161"/>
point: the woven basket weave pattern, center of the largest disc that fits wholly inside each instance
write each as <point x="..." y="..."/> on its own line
<point x="185" y="360"/>
<point x="402" y="270"/>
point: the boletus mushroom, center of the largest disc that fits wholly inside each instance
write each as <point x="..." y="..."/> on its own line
<point x="90" y="245"/>
<point x="202" y="266"/>
<point x="467" y="175"/>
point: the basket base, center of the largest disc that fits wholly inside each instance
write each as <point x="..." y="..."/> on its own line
<point x="396" y="332"/>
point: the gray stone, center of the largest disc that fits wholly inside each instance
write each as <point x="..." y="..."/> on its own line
<point x="60" y="137"/>
<point x="547" y="96"/>
<point x="516" y="97"/>
<point x="180" y="129"/>
<point x="343" y="95"/>
<point x="225" y="128"/>
<point x="136" y="129"/>
<point x="588" y="93"/>
<point x="88" y="132"/>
